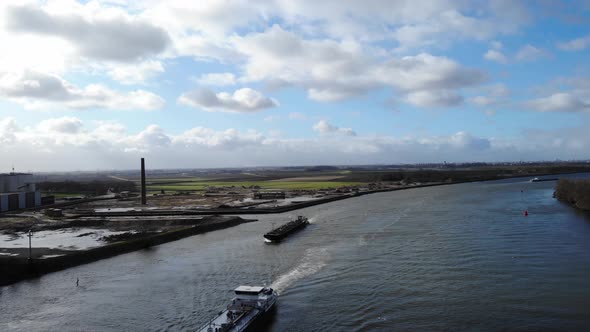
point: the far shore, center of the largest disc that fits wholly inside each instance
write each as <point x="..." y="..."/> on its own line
<point x="299" y="205"/>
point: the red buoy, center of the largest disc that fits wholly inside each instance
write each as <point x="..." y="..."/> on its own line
<point x="526" y="213"/>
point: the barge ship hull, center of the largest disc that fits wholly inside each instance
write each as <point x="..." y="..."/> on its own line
<point x="278" y="234"/>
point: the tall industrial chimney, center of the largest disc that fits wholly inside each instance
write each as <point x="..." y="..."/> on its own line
<point x="143" y="190"/>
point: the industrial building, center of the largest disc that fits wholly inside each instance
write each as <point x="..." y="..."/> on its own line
<point x="18" y="191"/>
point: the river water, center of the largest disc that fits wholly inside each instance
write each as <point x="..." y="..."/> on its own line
<point x="458" y="257"/>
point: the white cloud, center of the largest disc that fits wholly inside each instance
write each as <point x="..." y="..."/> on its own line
<point x="109" y="131"/>
<point x="428" y="72"/>
<point x="332" y="50"/>
<point x="560" y="102"/>
<point x="214" y="17"/>
<point x="8" y="128"/>
<point x="435" y="98"/>
<point x="408" y="23"/>
<point x="229" y="139"/>
<point x="529" y="52"/>
<point x="64" y="125"/>
<point x="568" y="94"/>
<point x="283" y="57"/>
<point x="577" y="44"/>
<point x="69" y="38"/>
<point x="325" y="128"/>
<point x="97" y="33"/>
<point x="36" y="90"/>
<point x="205" y="49"/>
<point x="465" y="140"/>
<point x="129" y="41"/>
<point x="460" y="141"/>
<point x="136" y="73"/>
<point x="449" y="25"/>
<point x="151" y="137"/>
<point x="217" y="79"/>
<point x="495" y="94"/>
<point x="495" y="55"/>
<point x="109" y="145"/>
<point x="242" y="100"/>
<point x="336" y="93"/>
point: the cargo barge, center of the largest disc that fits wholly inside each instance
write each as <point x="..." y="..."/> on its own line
<point x="246" y="312"/>
<point x="278" y="234"/>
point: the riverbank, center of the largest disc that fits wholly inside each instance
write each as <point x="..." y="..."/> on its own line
<point x="574" y="192"/>
<point x="44" y="260"/>
<point x="255" y="210"/>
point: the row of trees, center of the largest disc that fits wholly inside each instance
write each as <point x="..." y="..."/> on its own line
<point x="576" y="192"/>
<point x="425" y="176"/>
<point x="461" y="175"/>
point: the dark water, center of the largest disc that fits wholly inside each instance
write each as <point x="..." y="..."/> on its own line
<point x="459" y="257"/>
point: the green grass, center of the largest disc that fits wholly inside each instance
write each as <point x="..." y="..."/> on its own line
<point x="180" y="180"/>
<point x="286" y="185"/>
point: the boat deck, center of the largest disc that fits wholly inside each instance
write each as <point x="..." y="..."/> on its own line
<point x="240" y="323"/>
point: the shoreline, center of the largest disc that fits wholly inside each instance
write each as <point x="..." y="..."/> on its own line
<point x="574" y="193"/>
<point x="292" y="206"/>
<point x="16" y="269"/>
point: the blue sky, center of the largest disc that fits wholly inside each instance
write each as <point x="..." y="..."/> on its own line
<point x="97" y="84"/>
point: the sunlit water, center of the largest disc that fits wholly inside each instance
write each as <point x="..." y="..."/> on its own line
<point x="460" y="257"/>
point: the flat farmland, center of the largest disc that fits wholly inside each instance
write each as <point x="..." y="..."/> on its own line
<point x="310" y="178"/>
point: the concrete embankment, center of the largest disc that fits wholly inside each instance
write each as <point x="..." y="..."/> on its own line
<point x="14" y="269"/>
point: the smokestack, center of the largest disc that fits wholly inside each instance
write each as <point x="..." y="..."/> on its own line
<point x="143" y="191"/>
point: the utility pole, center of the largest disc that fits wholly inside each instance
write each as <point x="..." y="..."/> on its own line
<point x="143" y="186"/>
<point x="30" y="235"/>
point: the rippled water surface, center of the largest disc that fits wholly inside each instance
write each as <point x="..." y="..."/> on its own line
<point x="460" y="257"/>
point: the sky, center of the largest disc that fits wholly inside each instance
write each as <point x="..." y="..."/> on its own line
<point x="96" y="85"/>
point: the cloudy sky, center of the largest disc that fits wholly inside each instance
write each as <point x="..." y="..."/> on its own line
<point x="187" y="84"/>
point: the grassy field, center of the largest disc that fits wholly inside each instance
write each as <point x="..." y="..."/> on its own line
<point x="187" y="179"/>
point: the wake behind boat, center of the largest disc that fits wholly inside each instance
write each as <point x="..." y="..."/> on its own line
<point x="246" y="310"/>
<point x="277" y="234"/>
